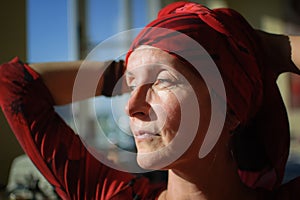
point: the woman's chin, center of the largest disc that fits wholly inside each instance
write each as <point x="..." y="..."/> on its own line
<point x="148" y="161"/>
<point x="152" y="160"/>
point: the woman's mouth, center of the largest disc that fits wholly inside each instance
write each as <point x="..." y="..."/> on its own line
<point x="144" y="135"/>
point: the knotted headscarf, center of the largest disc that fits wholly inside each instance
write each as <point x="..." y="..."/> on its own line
<point x="261" y="142"/>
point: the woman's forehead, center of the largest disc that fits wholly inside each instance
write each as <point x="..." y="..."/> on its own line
<point x="148" y="55"/>
<point x="148" y="58"/>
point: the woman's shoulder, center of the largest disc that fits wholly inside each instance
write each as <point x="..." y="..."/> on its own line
<point x="289" y="190"/>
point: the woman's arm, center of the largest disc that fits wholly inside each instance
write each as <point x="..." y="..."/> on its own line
<point x="50" y="143"/>
<point x="295" y="46"/>
<point x="59" y="77"/>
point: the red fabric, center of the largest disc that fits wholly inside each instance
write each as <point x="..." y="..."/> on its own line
<point x="251" y="90"/>
<point x="241" y="73"/>
<point x="53" y="146"/>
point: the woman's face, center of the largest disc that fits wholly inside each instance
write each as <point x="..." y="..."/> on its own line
<point x="161" y="103"/>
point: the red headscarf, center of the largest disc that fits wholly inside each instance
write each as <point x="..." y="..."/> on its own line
<point x="251" y="90"/>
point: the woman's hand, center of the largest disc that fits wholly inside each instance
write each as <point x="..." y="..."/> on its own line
<point x="112" y="75"/>
<point x="280" y="52"/>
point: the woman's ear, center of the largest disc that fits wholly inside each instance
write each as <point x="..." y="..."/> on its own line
<point x="231" y="122"/>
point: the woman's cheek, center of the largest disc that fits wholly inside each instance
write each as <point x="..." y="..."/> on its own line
<point x="169" y="113"/>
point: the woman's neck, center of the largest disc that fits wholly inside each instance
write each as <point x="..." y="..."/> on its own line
<point x="215" y="181"/>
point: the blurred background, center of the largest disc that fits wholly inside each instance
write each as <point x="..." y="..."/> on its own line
<point x="66" y="30"/>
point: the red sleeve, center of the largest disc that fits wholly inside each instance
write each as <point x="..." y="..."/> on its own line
<point x="53" y="146"/>
<point x="289" y="190"/>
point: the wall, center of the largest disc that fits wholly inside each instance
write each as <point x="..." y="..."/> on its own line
<point x="13" y="43"/>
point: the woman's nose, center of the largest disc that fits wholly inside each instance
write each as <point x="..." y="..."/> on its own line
<point x="138" y="105"/>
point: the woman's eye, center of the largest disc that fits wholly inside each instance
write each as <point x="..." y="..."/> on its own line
<point x="163" y="83"/>
<point x="132" y="87"/>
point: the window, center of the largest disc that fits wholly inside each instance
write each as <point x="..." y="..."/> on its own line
<point x="62" y="30"/>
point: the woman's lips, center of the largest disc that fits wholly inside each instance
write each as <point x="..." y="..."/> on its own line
<point x="144" y="135"/>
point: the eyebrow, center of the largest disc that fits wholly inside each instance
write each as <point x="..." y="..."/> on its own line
<point x="128" y="73"/>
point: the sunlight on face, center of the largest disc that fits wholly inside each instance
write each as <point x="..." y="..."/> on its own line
<point x="161" y="97"/>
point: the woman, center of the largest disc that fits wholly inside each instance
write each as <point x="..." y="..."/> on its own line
<point x="162" y="71"/>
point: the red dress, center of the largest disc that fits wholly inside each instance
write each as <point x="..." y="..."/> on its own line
<point x="53" y="146"/>
<point x="59" y="153"/>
